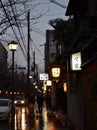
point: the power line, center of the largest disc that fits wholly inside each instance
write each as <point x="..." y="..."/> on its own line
<point x="57" y="3"/>
<point x="17" y="23"/>
<point x="37" y="48"/>
<point x="11" y="26"/>
<point x="38" y="31"/>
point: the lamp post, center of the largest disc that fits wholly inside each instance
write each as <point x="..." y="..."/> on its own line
<point x="12" y="46"/>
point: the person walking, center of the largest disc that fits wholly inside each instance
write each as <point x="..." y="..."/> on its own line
<point x="31" y="103"/>
<point x="40" y="102"/>
<point x="48" y="102"/>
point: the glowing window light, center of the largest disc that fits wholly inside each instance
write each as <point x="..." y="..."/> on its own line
<point x="65" y="87"/>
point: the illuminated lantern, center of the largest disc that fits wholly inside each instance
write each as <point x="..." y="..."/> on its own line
<point x="56" y="72"/>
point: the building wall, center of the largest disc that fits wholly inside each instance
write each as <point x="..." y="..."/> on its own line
<point x="50" y="48"/>
<point x="50" y="53"/>
<point x="75" y="106"/>
<point x="82" y="106"/>
<point x="90" y="95"/>
<point x="3" y="66"/>
<point x="53" y="49"/>
<point x="3" y="55"/>
<point x="92" y="7"/>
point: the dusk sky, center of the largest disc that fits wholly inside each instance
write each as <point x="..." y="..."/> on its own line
<point x="38" y="27"/>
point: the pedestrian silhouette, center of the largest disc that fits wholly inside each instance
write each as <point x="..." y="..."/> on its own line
<point x="40" y="102"/>
<point x="48" y="102"/>
<point x="31" y="103"/>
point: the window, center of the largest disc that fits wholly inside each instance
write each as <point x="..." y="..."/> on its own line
<point x="3" y="103"/>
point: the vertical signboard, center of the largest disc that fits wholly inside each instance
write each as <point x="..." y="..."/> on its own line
<point x="76" y="61"/>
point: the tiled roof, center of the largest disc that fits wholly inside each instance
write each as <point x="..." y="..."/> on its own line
<point x="82" y="7"/>
<point x="76" y="7"/>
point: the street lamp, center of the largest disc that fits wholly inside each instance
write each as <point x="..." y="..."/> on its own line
<point x="13" y="46"/>
<point x="30" y="76"/>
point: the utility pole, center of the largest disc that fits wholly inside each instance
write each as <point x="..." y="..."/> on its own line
<point x="28" y="55"/>
<point x="34" y="64"/>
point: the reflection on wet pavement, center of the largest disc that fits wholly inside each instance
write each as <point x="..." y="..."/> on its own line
<point x="20" y="119"/>
<point x="39" y="122"/>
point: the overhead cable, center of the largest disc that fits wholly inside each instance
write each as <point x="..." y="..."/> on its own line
<point x="12" y="27"/>
<point x="17" y="23"/>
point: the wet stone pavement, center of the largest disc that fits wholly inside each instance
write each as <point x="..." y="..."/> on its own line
<point x="44" y="121"/>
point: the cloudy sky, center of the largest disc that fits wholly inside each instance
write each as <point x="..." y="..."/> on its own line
<point x="41" y="12"/>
